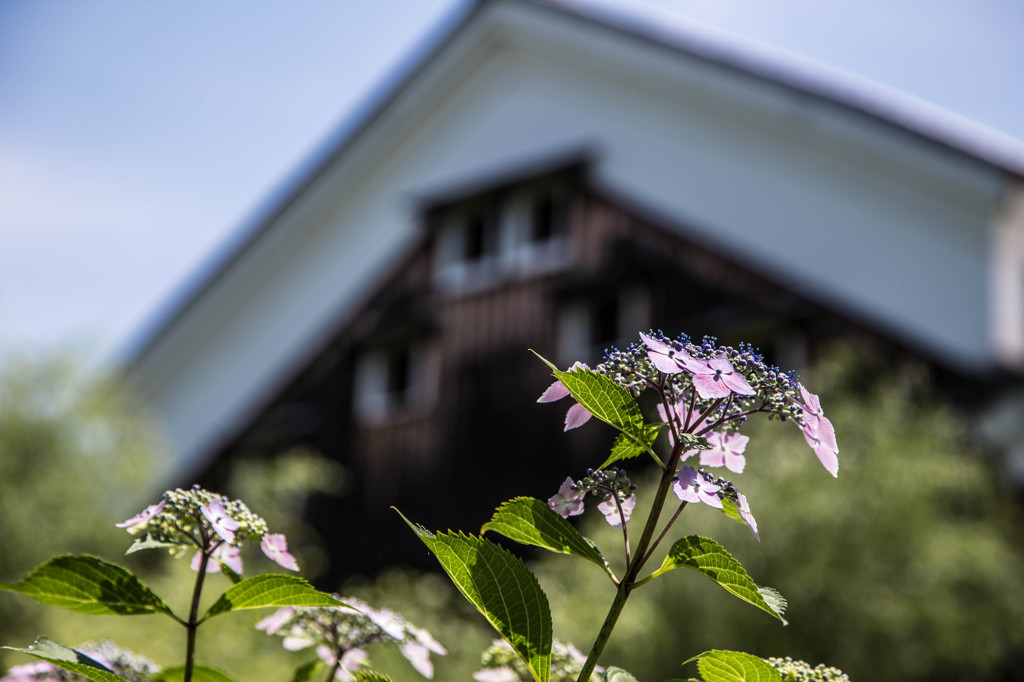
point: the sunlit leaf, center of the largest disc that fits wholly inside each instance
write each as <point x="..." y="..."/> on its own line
<point x="270" y="589"/>
<point x="501" y="588"/>
<point x="372" y="676"/>
<point x="532" y="522"/>
<point x="87" y="584"/>
<point x="711" y="559"/>
<point x="614" y="674"/>
<point x="734" y="666"/>
<point x="200" y="673"/>
<point x="308" y="671"/>
<point x="70" y="660"/>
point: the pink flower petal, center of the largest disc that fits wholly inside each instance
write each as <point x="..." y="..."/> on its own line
<point x="143" y="516"/>
<point x="737" y="383"/>
<point x="576" y="417"/>
<point x="708" y="386"/>
<point x="555" y="391"/>
<point x="275" y="546"/>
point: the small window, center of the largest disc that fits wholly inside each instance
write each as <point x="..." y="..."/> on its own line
<point x="395" y="380"/>
<point x="474" y="239"/>
<point x="604" y="321"/>
<point x="542" y="223"/>
<point x="590" y="324"/>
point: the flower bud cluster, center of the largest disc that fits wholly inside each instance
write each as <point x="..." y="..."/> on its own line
<point x="605" y="483"/>
<point x="771" y="389"/>
<point x="128" y="665"/>
<point x="502" y="664"/>
<point x="211" y="523"/>
<point x="799" y="671"/>
<point x="341" y="633"/>
<point x="180" y="519"/>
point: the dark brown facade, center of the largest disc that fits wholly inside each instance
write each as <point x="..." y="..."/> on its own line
<point x="427" y="395"/>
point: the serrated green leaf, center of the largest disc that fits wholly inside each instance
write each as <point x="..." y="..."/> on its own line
<point x="627" y="446"/>
<point x="69" y="659"/>
<point x="609" y="402"/>
<point x="734" y="666"/>
<point x="692" y="441"/>
<point x="603" y="398"/>
<point x="200" y="673"/>
<point x="614" y="674"/>
<point x="146" y="543"/>
<point x="529" y="521"/>
<point x="308" y="671"/>
<point x="270" y="589"/>
<point x="501" y="588"/>
<point x="372" y="676"/>
<point x="711" y="559"/>
<point x="87" y="584"/>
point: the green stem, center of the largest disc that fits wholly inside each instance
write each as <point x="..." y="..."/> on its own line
<point x="193" y="618"/>
<point x="633" y="569"/>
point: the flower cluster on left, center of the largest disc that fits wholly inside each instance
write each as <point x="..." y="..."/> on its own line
<point x="215" y="526"/>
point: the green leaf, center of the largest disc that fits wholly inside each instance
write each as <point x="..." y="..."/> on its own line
<point x="531" y="522"/>
<point x="145" y="542"/>
<point x="710" y="558"/>
<point x="69" y="659"/>
<point x="734" y="666"/>
<point x="308" y="671"/>
<point x="270" y="589"/>
<point x="627" y="446"/>
<point x="501" y="588"/>
<point x="200" y="673"/>
<point x="614" y="674"/>
<point x="603" y="398"/>
<point x="372" y="676"/>
<point x="87" y="584"/>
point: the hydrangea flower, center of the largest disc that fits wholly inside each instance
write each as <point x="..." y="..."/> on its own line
<point x="691" y="486"/>
<point x="341" y="634"/>
<point x="212" y="524"/>
<point x="819" y="432"/>
<point x="577" y="415"/>
<point x="568" y="501"/>
<point x="726" y="450"/>
<point x="611" y="511"/>
<point x="220" y="521"/>
<point x="128" y="665"/>
<point x="605" y="483"/>
<point x="502" y="664"/>
<point x="744" y="509"/>
<point x="712" y="378"/>
<point x="275" y="546"/>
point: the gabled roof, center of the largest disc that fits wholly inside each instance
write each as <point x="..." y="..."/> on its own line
<point x="842" y="88"/>
<point x="186" y="351"/>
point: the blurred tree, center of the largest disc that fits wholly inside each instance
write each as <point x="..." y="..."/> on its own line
<point x="74" y="460"/>
<point x="908" y="567"/>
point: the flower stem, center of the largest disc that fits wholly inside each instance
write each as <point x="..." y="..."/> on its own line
<point x="633" y="569"/>
<point x="193" y="618"/>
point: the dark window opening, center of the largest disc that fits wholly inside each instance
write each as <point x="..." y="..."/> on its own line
<point x="604" y="321"/>
<point x="475" y="244"/>
<point x="544" y="219"/>
<point x="398" y="377"/>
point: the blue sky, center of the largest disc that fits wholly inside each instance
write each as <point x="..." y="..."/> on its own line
<point x="137" y="137"/>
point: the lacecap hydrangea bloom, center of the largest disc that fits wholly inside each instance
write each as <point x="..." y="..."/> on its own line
<point x="340" y="635"/>
<point x="128" y="665"/>
<point x="705" y="394"/>
<point x="502" y="664"/>
<point x="212" y="524"/>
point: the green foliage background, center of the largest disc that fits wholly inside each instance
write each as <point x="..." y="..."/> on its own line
<point x="907" y="567"/>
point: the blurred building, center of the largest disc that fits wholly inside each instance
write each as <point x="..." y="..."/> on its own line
<point x="551" y="179"/>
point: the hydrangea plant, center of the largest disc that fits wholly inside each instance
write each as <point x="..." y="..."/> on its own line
<point x="704" y="393"/>
<point x="214" y="529"/>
